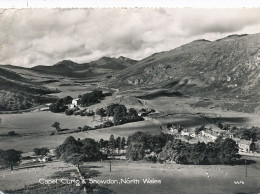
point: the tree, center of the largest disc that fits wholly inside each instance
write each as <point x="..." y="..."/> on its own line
<point x="110" y="109"/>
<point x="101" y="143"/>
<point x="69" y="112"/>
<point x="199" y="129"/>
<point x="132" y="116"/>
<point x="156" y="143"/>
<point x="88" y="148"/>
<point x="111" y="144"/>
<point x="41" y="151"/>
<point x="67" y="100"/>
<point x="135" y="151"/>
<point x="123" y="143"/>
<point x="61" y="150"/>
<point x="92" y="98"/>
<point x="101" y="112"/>
<point x="140" y="137"/>
<point x="118" y="142"/>
<point x="228" y="151"/>
<point x="10" y="158"/>
<point x="56" y="125"/>
<point x="247" y="134"/>
<point x="198" y="154"/>
<point x="120" y="113"/>
<point x="59" y="106"/>
<point x="75" y="159"/>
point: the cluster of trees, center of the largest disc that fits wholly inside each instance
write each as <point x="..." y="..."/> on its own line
<point x="222" y="151"/>
<point x="87" y="99"/>
<point x="139" y="143"/>
<point x="223" y="126"/>
<point x="78" y="151"/>
<point x="247" y="133"/>
<point x="11" y="101"/>
<point x="165" y="147"/>
<point x="61" y="104"/>
<point x="120" y="114"/>
<point x="10" y="158"/>
<point x="91" y="98"/>
<point x="110" y="145"/>
<point x="77" y="111"/>
<point x="41" y="151"/>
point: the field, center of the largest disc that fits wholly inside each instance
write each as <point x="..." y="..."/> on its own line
<point x="22" y="177"/>
<point x="33" y="129"/>
<point x="174" y="178"/>
<point x="177" y="178"/>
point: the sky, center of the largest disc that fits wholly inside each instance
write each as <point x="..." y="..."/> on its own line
<point x="30" y="37"/>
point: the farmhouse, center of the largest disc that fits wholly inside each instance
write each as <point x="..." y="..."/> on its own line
<point x="209" y="133"/>
<point x="185" y="132"/>
<point x="244" y="145"/>
<point x="44" y="159"/>
<point x="75" y="102"/>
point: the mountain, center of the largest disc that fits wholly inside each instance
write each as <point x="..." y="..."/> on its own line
<point x="101" y="66"/>
<point x="225" y="68"/>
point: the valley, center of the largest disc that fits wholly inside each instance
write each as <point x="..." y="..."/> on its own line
<point x="199" y="85"/>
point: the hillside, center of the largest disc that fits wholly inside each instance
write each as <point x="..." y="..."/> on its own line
<point x="16" y="92"/>
<point x="228" y="67"/>
<point x="101" y="66"/>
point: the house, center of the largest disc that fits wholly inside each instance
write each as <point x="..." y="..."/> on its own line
<point x="75" y="102"/>
<point x="243" y="145"/>
<point x="153" y="154"/>
<point x="229" y="134"/>
<point x="173" y="130"/>
<point x="144" y="112"/>
<point x="185" y="132"/>
<point x="209" y="133"/>
<point x="192" y="135"/>
<point x="44" y="159"/>
<point x="45" y="109"/>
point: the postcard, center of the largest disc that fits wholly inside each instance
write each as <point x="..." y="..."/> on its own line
<point x="130" y="100"/>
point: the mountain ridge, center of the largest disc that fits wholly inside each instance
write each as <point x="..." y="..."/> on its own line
<point x="228" y="66"/>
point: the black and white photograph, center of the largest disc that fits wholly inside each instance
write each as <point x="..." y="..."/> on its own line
<point x="130" y="100"/>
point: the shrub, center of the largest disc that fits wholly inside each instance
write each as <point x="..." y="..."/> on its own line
<point x="11" y="133"/>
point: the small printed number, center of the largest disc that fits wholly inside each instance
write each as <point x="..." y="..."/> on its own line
<point x="239" y="182"/>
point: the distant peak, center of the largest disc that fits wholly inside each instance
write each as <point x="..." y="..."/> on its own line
<point x="236" y="35"/>
<point x="105" y="58"/>
<point x="201" y="40"/>
<point x="66" y="62"/>
<point x="233" y="36"/>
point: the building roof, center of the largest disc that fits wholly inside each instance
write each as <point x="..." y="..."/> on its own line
<point x="245" y="142"/>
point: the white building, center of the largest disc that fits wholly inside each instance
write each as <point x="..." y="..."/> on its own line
<point x="44" y="159"/>
<point x="75" y="102"/>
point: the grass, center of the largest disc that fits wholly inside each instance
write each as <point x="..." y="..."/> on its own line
<point x="177" y="178"/>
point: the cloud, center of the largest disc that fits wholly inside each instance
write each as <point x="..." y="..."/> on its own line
<point x="45" y="36"/>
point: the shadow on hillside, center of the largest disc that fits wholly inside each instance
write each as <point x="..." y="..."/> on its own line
<point x="239" y="120"/>
<point x="95" y="167"/>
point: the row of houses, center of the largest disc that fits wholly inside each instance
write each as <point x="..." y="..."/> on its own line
<point x="42" y="159"/>
<point x="212" y="134"/>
